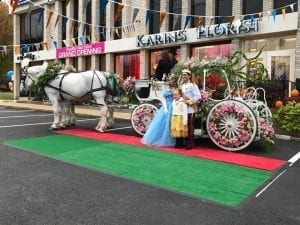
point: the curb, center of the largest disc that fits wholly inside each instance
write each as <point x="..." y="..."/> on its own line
<point x="283" y="137"/>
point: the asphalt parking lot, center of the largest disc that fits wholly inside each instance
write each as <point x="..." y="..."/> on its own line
<point x="40" y="190"/>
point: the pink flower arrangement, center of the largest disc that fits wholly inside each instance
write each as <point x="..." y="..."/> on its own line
<point x="266" y="132"/>
<point x="204" y="96"/>
<point x="128" y="85"/>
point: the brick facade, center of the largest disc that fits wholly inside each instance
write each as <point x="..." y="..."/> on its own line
<point x="139" y="28"/>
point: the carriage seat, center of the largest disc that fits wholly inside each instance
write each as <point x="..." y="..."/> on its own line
<point x="142" y="88"/>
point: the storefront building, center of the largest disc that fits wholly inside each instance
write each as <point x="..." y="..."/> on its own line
<point x="129" y="37"/>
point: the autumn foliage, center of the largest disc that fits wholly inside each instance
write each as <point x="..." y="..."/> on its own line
<point x="6" y="39"/>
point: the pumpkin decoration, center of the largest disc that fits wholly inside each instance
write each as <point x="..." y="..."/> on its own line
<point x="278" y="104"/>
<point x="294" y="93"/>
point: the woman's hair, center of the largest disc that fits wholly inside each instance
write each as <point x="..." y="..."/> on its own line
<point x="172" y="80"/>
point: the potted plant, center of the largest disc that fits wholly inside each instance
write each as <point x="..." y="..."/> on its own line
<point x="287" y="118"/>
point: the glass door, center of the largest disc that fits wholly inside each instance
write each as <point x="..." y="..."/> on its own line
<point x="281" y="66"/>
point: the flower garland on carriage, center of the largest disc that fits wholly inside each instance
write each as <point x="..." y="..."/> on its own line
<point x="217" y="79"/>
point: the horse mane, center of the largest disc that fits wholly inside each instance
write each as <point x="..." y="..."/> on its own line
<point x="50" y="73"/>
<point x="112" y="83"/>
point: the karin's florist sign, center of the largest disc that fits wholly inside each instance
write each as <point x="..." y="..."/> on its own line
<point x="224" y="29"/>
<point x="227" y="29"/>
<point x="81" y="50"/>
<point x="161" y="38"/>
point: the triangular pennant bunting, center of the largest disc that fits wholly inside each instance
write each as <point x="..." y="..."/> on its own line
<point x="274" y="13"/>
<point x="57" y="19"/>
<point x="41" y="14"/>
<point x="49" y="15"/>
<point x="65" y="43"/>
<point x="283" y="13"/>
<point x="135" y="13"/>
<point x="118" y="11"/>
<point x="175" y="20"/>
<point x="103" y="4"/>
<point x="148" y="16"/>
<point x="161" y="18"/>
<point x="200" y="20"/>
<point x="187" y="20"/>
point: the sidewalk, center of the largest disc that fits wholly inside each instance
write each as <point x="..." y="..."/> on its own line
<point x="92" y="111"/>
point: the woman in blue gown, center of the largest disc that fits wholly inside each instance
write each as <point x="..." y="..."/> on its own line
<point x="158" y="132"/>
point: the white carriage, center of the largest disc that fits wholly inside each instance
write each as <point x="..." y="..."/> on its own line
<point x="232" y="122"/>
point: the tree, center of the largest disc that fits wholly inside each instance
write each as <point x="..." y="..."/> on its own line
<point x="6" y="43"/>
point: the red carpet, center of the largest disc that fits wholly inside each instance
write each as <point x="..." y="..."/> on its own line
<point x="206" y="153"/>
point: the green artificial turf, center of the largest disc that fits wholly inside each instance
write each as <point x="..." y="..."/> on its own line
<point x="217" y="181"/>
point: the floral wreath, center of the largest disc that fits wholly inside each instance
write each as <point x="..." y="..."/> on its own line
<point x="142" y="117"/>
<point x="242" y="126"/>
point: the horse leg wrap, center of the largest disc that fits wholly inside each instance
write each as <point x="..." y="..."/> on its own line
<point x="102" y="124"/>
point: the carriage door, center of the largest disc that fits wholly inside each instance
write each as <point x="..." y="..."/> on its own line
<point x="281" y="67"/>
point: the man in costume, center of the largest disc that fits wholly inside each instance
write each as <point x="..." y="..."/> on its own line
<point x="191" y="95"/>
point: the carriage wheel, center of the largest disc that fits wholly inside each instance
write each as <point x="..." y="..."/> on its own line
<point x="231" y="125"/>
<point x="142" y="116"/>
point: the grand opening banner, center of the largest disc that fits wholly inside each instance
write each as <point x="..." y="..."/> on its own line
<point x="81" y="50"/>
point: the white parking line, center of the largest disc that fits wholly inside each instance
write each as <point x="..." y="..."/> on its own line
<point x="27" y="110"/>
<point x="294" y="159"/>
<point x="265" y="188"/>
<point x="8" y="117"/>
<point x="120" y="128"/>
<point x="36" y="124"/>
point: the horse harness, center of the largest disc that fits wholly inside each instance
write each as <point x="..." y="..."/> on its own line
<point x="61" y="91"/>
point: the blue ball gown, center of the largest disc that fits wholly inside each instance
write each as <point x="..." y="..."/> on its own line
<point x="159" y="131"/>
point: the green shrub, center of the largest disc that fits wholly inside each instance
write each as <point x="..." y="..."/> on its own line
<point x="6" y="95"/>
<point x="287" y="117"/>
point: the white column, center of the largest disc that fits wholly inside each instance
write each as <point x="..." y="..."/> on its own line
<point x="144" y="63"/>
<point x="16" y="19"/>
<point x="69" y="35"/>
<point x="82" y="19"/>
<point x="57" y="34"/>
<point x="95" y="22"/>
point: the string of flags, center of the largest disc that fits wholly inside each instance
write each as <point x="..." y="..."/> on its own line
<point x="102" y="31"/>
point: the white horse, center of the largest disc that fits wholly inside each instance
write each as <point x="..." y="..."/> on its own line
<point x="68" y="87"/>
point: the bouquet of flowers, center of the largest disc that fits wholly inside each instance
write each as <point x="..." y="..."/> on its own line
<point x="267" y="133"/>
<point x="128" y="85"/>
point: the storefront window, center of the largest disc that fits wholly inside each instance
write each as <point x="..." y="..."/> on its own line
<point x="252" y="6"/>
<point x="198" y="8"/>
<point x="88" y="13"/>
<point x="128" y="65"/>
<point x="271" y="44"/>
<point x="224" y="50"/>
<point x="278" y="4"/>
<point x="31" y="30"/>
<point x="223" y="10"/>
<point x="157" y="55"/>
<point x="117" y="21"/>
<point x="155" y="17"/>
<point x="175" y="20"/>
